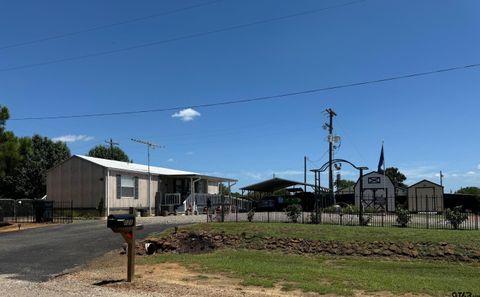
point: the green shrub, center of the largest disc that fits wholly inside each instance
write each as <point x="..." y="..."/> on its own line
<point x="403" y="217"/>
<point x="293" y="212"/>
<point x="350" y="209"/>
<point x="251" y="214"/>
<point x="313" y="219"/>
<point x="455" y="217"/>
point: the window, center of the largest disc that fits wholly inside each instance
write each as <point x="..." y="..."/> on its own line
<point x="127" y="186"/>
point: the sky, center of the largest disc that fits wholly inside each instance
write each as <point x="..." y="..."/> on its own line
<point x="180" y="54"/>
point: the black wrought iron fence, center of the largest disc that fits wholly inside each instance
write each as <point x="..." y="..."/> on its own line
<point x="35" y="211"/>
<point x="369" y="217"/>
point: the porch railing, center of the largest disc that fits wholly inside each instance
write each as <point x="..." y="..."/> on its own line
<point x="172" y="199"/>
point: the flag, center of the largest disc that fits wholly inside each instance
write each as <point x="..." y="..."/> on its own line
<point x="381" y="162"/>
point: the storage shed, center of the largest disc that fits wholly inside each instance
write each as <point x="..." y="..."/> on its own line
<point x="425" y="196"/>
<point x="378" y="192"/>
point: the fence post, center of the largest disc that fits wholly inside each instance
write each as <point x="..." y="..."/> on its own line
<point x="476" y="220"/>
<point x="71" y="211"/>
<point x="268" y="216"/>
<point x="427" y="209"/>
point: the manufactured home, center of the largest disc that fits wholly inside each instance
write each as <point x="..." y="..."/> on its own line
<point x="93" y="183"/>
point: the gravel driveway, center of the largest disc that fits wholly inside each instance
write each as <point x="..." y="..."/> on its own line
<point x="29" y="259"/>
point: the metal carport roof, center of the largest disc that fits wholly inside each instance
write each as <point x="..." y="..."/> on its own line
<point x="274" y="184"/>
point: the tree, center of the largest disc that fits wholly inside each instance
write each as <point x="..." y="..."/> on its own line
<point x="28" y="179"/>
<point x="4" y="116"/>
<point x="12" y="148"/>
<point x="396" y="176"/>
<point x="114" y="153"/>
<point x="223" y="190"/>
<point x="344" y="183"/>
<point x="24" y="161"/>
<point x="469" y="190"/>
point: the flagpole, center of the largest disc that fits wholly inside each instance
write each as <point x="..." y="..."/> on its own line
<point x="384" y="177"/>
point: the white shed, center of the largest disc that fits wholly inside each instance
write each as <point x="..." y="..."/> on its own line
<point x="378" y="192"/>
<point x="425" y="196"/>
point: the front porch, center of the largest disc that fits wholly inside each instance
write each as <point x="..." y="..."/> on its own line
<point x="190" y="194"/>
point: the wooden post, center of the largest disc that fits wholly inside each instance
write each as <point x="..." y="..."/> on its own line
<point x="130" y="239"/>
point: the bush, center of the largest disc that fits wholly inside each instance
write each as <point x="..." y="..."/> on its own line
<point x="455" y="217"/>
<point x="365" y="219"/>
<point x="313" y="218"/>
<point x="293" y="212"/>
<point x="403" y="217"/>
<point x="250" y="214"/>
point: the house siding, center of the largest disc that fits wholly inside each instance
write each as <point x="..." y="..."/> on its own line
<point x="142" y="201"/>
<point x="77" y="180"/>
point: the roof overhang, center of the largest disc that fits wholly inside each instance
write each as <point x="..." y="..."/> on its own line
<point x="274" y="184"/>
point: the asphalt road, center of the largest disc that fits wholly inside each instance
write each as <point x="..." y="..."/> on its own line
<point x="40" y="253"/>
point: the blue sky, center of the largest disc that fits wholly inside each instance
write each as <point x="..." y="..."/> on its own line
<point x="428" y="123"/>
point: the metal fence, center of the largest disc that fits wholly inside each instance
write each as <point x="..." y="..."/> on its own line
<point x="35" y="211"/>
<point x="425" y="220"/>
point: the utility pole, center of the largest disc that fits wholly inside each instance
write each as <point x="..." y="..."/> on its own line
<point x="305" y="174"/>
<point x="112" y="144"/>
<point x="331" y="114"/>
<point x="153" y="146"/>
<point x="441" y="178"/>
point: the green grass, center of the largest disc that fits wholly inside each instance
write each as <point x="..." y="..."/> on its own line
<point x="332" y="275"/>
<point x="341" y="233"/>
<point x="335" y="275"/>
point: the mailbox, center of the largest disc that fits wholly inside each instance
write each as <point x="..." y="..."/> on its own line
<point x="121" y="222"/>
<point x="125" y="225"/>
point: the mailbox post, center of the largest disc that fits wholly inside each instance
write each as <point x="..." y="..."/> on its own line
<point x="125" y="224"/>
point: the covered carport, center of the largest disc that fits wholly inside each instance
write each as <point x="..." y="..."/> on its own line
<point x="297" y="189"/>
<point x="269" y="186"/>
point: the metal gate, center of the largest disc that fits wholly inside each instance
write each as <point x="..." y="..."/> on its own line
<point x="35" y="211"/>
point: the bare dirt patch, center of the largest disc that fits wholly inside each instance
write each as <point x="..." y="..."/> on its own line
<point x="23" y="226"/>
<point x="166" y="279"/>
<point x="172" y="279"/>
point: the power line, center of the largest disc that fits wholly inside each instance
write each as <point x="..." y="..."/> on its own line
<point x="184" y="37"/>
<point x="255" y="99"/>
<point x="103" y="27"/>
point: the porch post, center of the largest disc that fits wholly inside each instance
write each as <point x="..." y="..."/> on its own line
<point x="192" y="192"/>
<point x="107" y="200"/>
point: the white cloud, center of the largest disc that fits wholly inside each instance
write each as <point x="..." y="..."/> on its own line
<point x="189" y="153"/>
<point x="73" y="138"/>
<point x="478" y="167"/>
<point x="289" y="172"/>
<point x="419" y="172"/>
<point x="171" y="160"/>
<point x="471" y="173"/>
<point x="186" y="115"/>
<point x="253" y="175"/>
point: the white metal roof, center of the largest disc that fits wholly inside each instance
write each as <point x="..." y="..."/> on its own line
<point x="126" y="166"/>
<point x="140" y="168"/>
